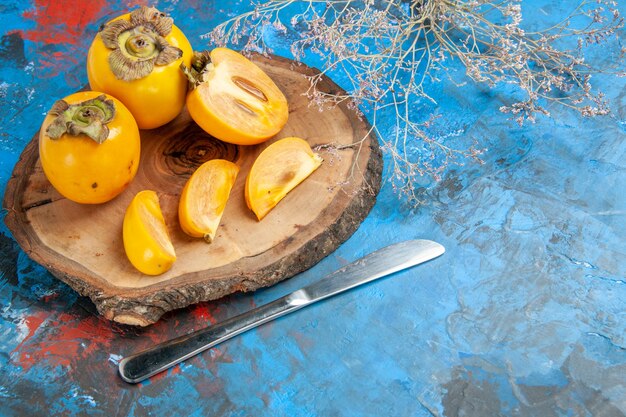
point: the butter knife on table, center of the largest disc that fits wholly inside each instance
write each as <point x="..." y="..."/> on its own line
<point x="378" y="264"/>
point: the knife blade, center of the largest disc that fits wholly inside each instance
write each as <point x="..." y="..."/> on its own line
<point x="378" y="264"/>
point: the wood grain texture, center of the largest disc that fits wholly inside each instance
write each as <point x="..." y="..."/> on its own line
<point x="82" y="244"/>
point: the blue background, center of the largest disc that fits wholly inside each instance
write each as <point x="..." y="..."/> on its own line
<point x="523" y="316"/>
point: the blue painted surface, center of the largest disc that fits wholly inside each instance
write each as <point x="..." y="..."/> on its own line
<point x="525" y="315"/>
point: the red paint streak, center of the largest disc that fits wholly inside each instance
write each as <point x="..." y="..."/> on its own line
<point x="50" y="298"/>
<point x="134" y="4"/>
<point x="33" y="323"/>
<point x="62" y="21"/>
<point x="175" y="370"/>
<point x="159" y="332"/>
<point x="66" y="341"/>
<point x="209" y="387"/>
<point x="220" y="355"/>
<point x="204" y="313"/>
<point x="69" y="26"/>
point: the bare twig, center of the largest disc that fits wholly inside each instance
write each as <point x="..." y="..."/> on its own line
<point x="391" y="51"/>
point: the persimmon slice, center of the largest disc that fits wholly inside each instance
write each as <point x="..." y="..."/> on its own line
<point x="204" y="198"/>
<point x="278" y="170"/>
<point x="234" y="100"/>
<point x="146" y="239"/>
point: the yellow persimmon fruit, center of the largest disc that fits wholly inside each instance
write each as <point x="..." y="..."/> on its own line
<point x="233" y="99"/>
<point x="136" y="58"/>
<point x="146" y="240"/>
<point x="204" y="198"/>
<point x="89" y="146"/>
<point x="278" y="170"/>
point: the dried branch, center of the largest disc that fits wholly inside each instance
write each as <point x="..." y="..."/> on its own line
<point x="392" y="51"/>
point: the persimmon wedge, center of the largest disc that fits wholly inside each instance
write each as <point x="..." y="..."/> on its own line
<point x="204" y="198"/>
<point x="278" y="170"/>
<point x="146" y="240"/>
<point x="233" y="99"/>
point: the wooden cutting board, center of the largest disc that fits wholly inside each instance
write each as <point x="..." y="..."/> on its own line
<point x="82" y="244"/>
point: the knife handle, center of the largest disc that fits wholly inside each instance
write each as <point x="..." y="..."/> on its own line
<point x="383" y="262"/>
<point x="136" y="368"/>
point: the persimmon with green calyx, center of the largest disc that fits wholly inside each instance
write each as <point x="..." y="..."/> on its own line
<point x="136" y="58"/>
<point x="146" y="240"/>
<point x="89" y="147"/>
<point x="233" y="99"/>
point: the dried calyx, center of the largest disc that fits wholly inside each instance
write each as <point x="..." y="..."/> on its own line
<point x="88" y="117"/>
<point x="200" y="63"/>
<point x="139" y="44"/>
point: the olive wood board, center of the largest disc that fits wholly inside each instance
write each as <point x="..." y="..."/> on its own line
<point x="82" y="244"/>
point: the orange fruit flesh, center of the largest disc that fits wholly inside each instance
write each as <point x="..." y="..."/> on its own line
<point x="237" y="102"/>
<point x="146" y="239"/>
<point x="203" y="200"/>
<point x="278" y="170"/>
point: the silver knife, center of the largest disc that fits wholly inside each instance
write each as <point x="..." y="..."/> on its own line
<point x="383" y="262"/>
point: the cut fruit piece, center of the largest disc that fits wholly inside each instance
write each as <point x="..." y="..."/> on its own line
<point x="204" y="197"/>
<point x="233" y="99"/>
<point x="278" y="170"/>
<point x="146" y="240"/>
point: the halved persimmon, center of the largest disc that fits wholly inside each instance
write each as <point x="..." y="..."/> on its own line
<point x="233" y="99"/>
<point x="146" y="240"/>
<point x="278" y="170"/>
<point x="204" y="198"/>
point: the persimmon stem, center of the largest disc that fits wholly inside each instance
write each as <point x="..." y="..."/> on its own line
<point x="138" y="44"/>
<point x="88" y="117"/>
